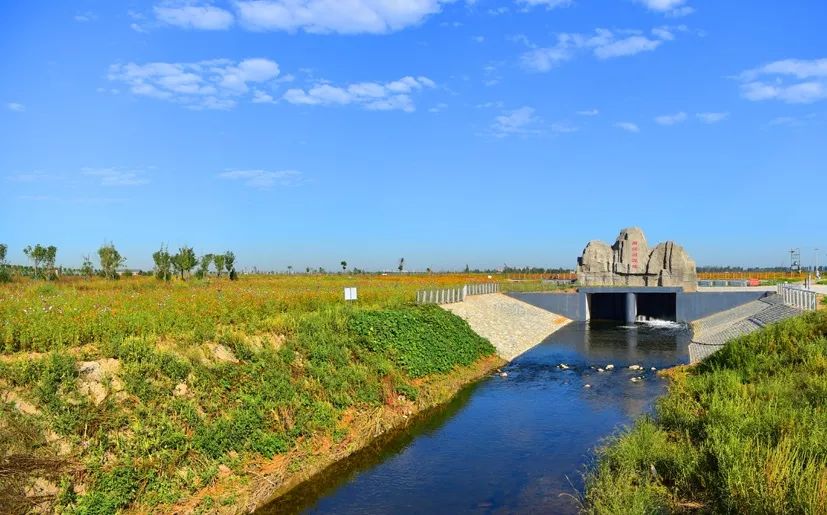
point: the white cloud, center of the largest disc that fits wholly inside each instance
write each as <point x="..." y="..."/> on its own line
<point x="339" y="16"/>
<point x="589" y="112"/>
<point x="517" y="121"/>
<point x="603" y="44"/>
<point x="394" y="95"/>
<point x="189" y="16"/>
<point x="712" y="117"/>
<point x="628" y="126"/>
<point x="116" y="176"/>
<point x="671" y="8"/>
<point x="201" y="85"/>
<point x="548" y="4"/>
<point x="671" y="119"/>
<point x="438" y="108"/>
<point x="85" y="17"/>
<point x="794" y="81"/>
<point x="16" y="107"/>
<point x="263" y="179"/>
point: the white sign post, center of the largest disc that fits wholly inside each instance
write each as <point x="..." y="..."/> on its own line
<point x="350" y="293"/>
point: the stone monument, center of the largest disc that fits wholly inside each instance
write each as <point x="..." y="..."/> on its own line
<point x="630" y="262"/>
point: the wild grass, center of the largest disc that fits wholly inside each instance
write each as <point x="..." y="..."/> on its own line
<point x="174" y="413"/>
<point x="745" y="431"/>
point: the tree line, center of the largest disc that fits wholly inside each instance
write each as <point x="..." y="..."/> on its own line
<point x="110" y="260"/>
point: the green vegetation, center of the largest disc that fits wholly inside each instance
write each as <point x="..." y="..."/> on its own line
<point x="745" y="431"/>
<point x="150" y="392"/>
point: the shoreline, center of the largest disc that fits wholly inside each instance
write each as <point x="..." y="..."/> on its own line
<point x="270" y="480"/>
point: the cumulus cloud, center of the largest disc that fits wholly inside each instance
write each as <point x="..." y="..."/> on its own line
<point x="589" y="112"/>
<point x="671" y="119"/>
<point x="16" y="107"/>
<point x="394" y="95"/>
<point x="192" y="16"/>
<point x="628" y="126"/>
<point x="603" y="44"/>
<point x="794" y="81"/>
<point x="326" y="16"/>
<point x="214" y="84"/>
<point x="263" y="179"/>
<point x="117" y="176"/>
<point x="712" y="117"/>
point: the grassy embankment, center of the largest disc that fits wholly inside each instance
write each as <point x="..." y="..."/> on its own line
<point x="212" y="395"/>
<point x="745" y="431"/>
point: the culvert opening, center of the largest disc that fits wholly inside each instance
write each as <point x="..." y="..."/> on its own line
<point x="614" y="306"/>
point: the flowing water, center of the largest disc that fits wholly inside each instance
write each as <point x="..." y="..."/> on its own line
<point x="508" y="444"/>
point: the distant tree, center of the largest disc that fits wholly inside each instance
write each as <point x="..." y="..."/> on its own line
<point x="219" y="260"/>
<point x="87" y="268"/>
<point x="163" y="264"/>
<point x="401" y="265"/>
<point x="289" y="269"/>
<point x="184" y="261"/>
<point x="428" y="270"/>
<point x="204" y="267"/>
<point x="307" y="270"/>
<point x="110" y="260"/>
<point x="344" y="265"/>
<point x="5" y="276"/>
<point x="467" y="269"/>
<point x="40" y="255"/>
<point x="229" y="261"/>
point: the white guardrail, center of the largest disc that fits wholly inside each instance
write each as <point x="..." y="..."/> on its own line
<point x="451" y="295"/>
<point x="798" y="297"/>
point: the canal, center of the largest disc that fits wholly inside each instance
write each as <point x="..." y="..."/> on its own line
<point x="519" y="443"/>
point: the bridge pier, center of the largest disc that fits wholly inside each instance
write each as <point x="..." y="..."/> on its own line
<point x="631" y="308"/>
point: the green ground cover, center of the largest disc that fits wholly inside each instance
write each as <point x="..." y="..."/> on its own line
<point x="745" y="431"/>
<point x="172" y="401"/>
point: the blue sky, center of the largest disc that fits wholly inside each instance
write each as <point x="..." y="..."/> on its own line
<point x="304" y="132"/>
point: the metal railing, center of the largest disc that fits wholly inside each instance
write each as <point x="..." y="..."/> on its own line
<point x="798" y="297"/>
<point x="451" y="295"/>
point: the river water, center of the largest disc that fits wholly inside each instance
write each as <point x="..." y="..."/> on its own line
<point x="519" y="443"/>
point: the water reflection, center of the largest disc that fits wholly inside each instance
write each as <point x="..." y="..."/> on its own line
<point x="515" y="444"/>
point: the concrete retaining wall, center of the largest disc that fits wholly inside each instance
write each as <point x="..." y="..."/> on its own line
<point x="696" y="305"/>
<point x="569" y="305"/>
<point x="689" y="306"/>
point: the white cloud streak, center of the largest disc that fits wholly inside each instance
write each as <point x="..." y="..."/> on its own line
<point x="389" y="96"/>
<point x="335" y="16"/>
<point x="215" y="84"/>
<point x="712" y="117"/>
<point x="16" y="107"/>
<point x="603" y="44"/>
<point x="263" y="179"/>
<point x="671" y="119"/>
<point x="794" y="81"/>
<point x="628" y="126"/>
<point x="189" y="16"/>
<point x="116" y="176"/>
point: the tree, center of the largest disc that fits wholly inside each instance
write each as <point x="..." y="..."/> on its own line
<point x="289" y="269"/>
<point x="344" y="265"/>
<point x="110" y="260"/>
<point x="204" y="269"/>
<point x="41" y="255"/>
<point x="401" y="265"/>
<point x="163" y="264"/>
<point x="184" y="261"/>
<point x="229" y="265"/>
<point x="3" y="249"/>
<point x="307" y="270"/>
<point x="219" y="260"/>
<point x="87" y="268"/>
<point x="4" y="274"/>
